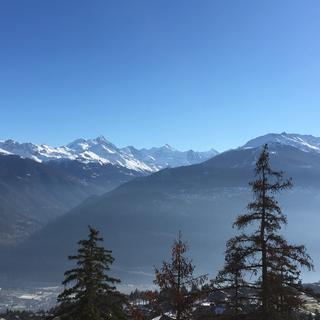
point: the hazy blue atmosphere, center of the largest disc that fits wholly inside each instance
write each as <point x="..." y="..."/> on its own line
<point x="195" y="74"/>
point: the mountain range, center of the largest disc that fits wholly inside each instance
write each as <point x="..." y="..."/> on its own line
<point x="38" y="182"/>
<point x="100" y="150"/>
<point x="140" y="218"/>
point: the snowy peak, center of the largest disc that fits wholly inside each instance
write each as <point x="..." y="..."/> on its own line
<point x="102" y="151"/>
<point x="166" y="156"/>
<point x="168" y="147"/>
<point x="83" y="144"/>
<point x="306" y="143"/>
<point x="35" y="152"/>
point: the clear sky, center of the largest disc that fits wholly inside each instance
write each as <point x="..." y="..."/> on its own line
<point x="194" y="74"/>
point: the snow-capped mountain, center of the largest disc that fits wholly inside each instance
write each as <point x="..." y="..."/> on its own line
<point x="167" y="156"/>
<point x="306" y="143"/>
<point x="102" y="151"/>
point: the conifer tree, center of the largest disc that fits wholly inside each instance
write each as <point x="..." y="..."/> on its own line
<point x="231" y="278"/>
<point x="176" y="280"/>
<point x="265" y="253"/>
<point x="90" y="294"/>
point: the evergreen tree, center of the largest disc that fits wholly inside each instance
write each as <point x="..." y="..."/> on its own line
<point x="265" y="253"/>
<point x="176" y="280"/>
<point x="231" y="278"/>
<point x="90" y="294"/>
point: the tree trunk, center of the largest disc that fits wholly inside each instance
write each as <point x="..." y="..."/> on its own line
<point x="264" y="275"/>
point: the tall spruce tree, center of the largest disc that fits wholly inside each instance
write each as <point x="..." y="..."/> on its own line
<point x="176" y="280"/>
<point x="264" y="253"/>
<point x="90" y="294"/>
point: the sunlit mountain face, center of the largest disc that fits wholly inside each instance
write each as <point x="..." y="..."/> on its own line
<point x="100" y="150"/>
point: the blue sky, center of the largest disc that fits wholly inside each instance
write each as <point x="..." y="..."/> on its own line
<point x="194" y="74"/>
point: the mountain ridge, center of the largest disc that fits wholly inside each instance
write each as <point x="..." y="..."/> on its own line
<point x="303" y="142"/>
<point x="100" y="150"/>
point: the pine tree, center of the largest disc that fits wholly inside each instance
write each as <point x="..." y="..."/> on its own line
<point x="90" y="294"/>
<point x="265" y="253"/>
<point x="176" y="280"/>
<point x="285" y="261"/>
<point x="231" y="278"/>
